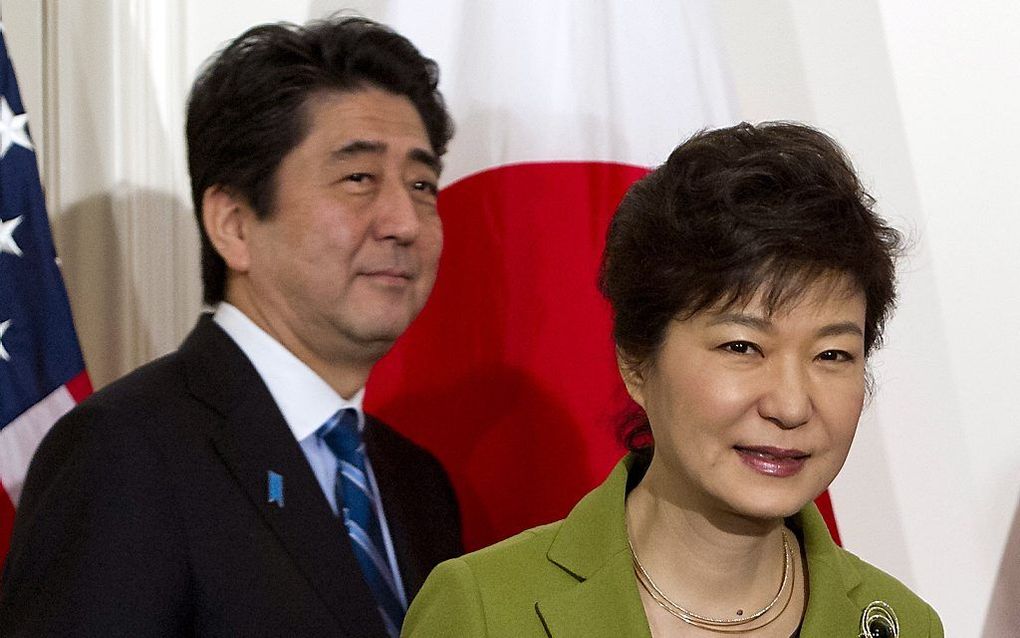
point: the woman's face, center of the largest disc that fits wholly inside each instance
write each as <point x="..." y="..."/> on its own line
<point x="754" y="414"/>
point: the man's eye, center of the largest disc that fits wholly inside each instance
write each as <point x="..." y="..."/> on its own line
<point x="835" y="355"/>
<point x="357" y="178"/>
<point x="426" y="186"/>
<point x="740" y="347"/>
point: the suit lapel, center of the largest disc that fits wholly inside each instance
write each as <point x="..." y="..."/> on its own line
<point x="831" y="580"/>
<point x="591" y="546"/>
<point x="390" y="471"/>
<point x="399" y="491"/>
<point x="254" y="440"/>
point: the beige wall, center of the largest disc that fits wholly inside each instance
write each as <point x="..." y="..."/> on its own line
<point x="106" y="80"/>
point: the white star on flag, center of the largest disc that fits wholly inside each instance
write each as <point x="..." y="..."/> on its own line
<point x="12" y="128"/>
<point x="3" y="351"/>
<point x="7" y="243"/>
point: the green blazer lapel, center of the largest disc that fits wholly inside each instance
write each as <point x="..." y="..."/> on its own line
<point x="831" y="580"/>
<point x="607" y="604"/>
<point x="591" y="546"/>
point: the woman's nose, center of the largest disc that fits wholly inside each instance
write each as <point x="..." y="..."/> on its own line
<point x="787" y="400"/>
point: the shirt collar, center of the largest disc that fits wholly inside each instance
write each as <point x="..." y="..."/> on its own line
<point x="304" y="398"/>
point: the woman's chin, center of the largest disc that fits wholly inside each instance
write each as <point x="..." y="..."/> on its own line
<point x="768" y="504"/>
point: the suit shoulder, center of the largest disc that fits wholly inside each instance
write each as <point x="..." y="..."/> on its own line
<point x="133" y="404"/>
<point x="142" y="415"/>
<point x="152" y="381"/>
<point x="876" y="581"/>
<point x="530" y="542"/>
<point x="514" y="563"/>
<point x="485" y="592"/>
<point x="113" y="418"/>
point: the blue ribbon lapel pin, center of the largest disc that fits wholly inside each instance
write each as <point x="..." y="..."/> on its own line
<point x="274" y="488"/>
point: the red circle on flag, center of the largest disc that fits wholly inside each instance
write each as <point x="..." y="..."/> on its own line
<point x="508" y="375"/>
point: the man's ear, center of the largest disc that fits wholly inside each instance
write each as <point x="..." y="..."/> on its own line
<point x="226" y="219"/>
<point x="633" y="374"/>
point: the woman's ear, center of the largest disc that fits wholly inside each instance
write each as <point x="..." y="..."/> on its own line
<point x="633" y="374"/>
<point x="226" y="217"/>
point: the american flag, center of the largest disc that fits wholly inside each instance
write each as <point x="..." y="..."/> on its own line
<point x="42" y="373"/>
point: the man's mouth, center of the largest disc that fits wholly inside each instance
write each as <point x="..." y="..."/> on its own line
<point x="395" y="276"/>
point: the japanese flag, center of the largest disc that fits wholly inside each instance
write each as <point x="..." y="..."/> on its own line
<point x="509" y="374"/>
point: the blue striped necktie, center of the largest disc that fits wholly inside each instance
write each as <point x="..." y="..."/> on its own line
<point x="357" y="502"/>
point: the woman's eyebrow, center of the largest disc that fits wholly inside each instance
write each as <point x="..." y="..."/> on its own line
<point x="841" y="328"/>
<point x="751" y="321"/>
<point x="764" y="325"/>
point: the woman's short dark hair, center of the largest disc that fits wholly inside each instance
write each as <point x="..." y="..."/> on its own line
<point x="247" y="109"/>
<point x="734" y="212"/>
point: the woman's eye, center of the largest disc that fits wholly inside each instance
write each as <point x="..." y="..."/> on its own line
<point x="835" y="355"/>
<point x="740" y="347"/>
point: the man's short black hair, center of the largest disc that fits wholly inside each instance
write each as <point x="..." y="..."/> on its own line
<point x="247" y="109"/>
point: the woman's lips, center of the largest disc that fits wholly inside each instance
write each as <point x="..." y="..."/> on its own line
<point x="772" y="461"/>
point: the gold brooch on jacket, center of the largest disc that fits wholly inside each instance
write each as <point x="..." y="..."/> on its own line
<point x="879" y="621"/>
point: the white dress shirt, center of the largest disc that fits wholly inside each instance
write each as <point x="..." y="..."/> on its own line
<point x="306" y="402"/>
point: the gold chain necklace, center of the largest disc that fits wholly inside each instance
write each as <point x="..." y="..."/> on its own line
<point x="707" y="622"/>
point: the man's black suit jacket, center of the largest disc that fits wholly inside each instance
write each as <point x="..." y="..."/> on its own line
<point x="146" y="513"/>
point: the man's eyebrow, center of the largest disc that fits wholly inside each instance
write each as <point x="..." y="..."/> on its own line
<point x="428" y="158"/>
<point x="359" y="147"/>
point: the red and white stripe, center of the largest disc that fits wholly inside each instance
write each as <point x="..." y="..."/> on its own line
<point x="18" y="443"/>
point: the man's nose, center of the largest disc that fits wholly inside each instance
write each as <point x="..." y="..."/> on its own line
<point x="397" y="215"/>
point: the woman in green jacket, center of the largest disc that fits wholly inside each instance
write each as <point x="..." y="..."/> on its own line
<point x="750" y="280"/>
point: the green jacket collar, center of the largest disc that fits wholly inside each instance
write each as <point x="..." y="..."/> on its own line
<point x="832" y="578"/>
<point x="591" y="545"/>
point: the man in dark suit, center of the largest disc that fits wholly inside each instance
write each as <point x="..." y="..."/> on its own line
<point x="235" y="487"/>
